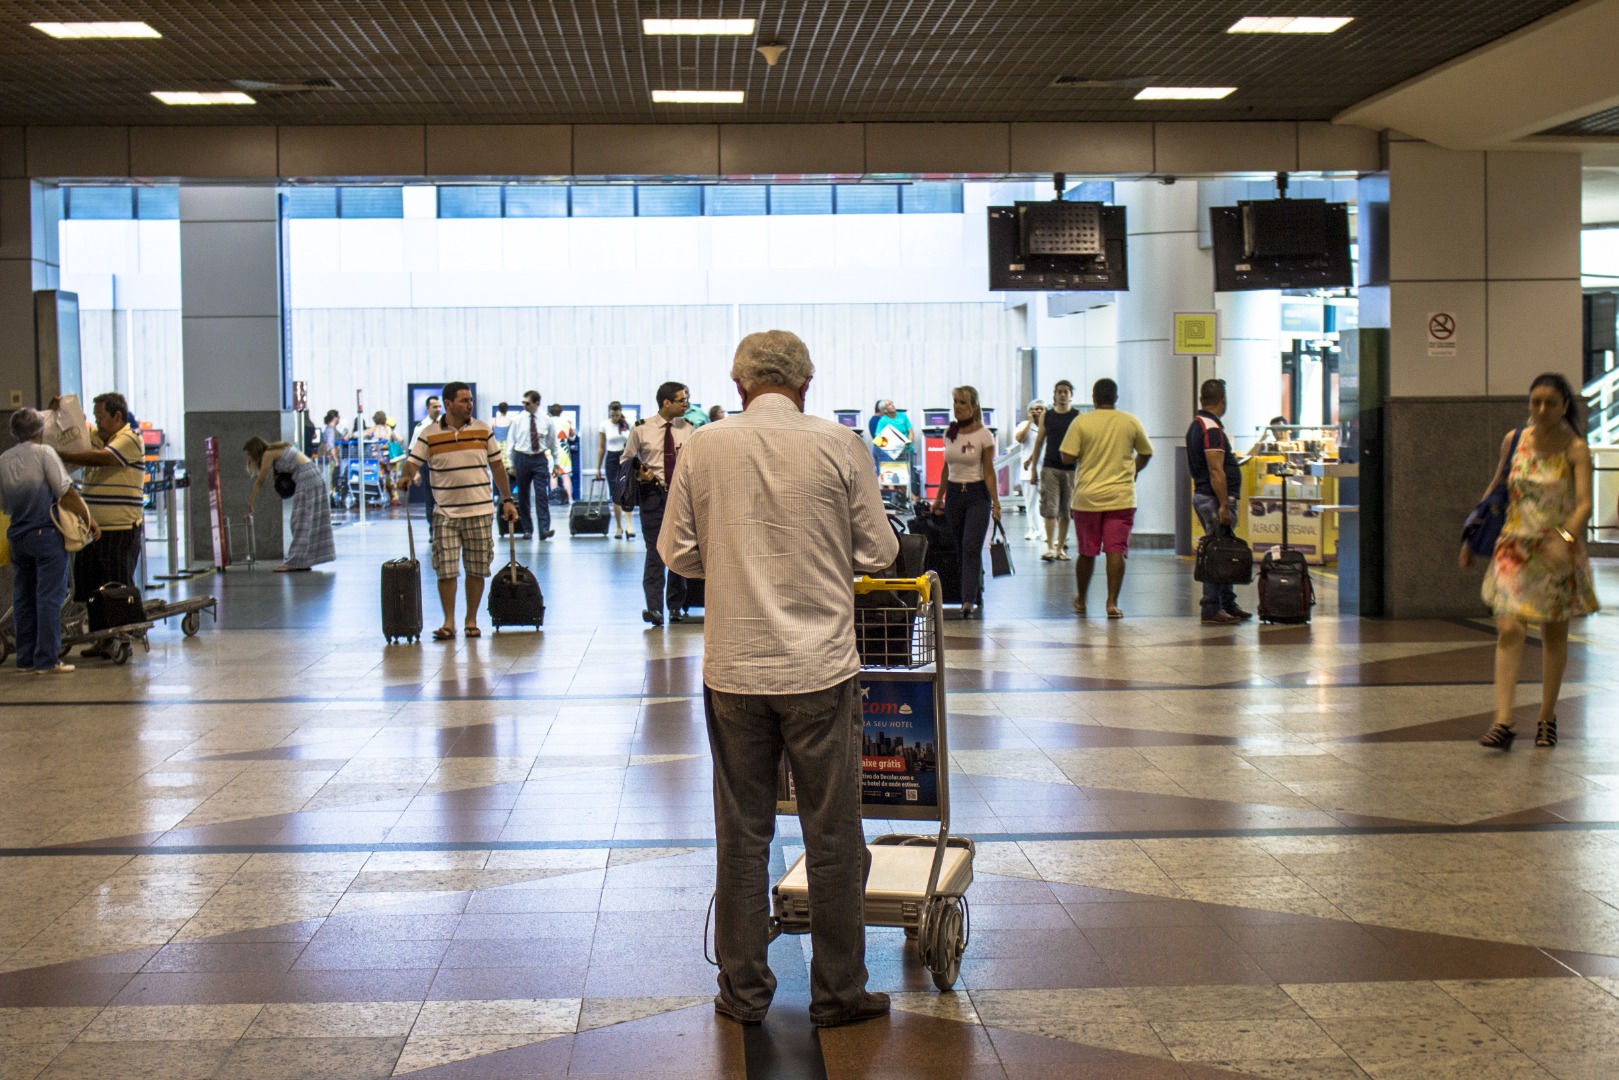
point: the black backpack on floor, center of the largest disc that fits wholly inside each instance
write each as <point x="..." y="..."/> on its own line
<point x="514" y="595"/>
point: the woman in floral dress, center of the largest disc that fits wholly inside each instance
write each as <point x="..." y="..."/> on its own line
<point x="1540" y="572"/>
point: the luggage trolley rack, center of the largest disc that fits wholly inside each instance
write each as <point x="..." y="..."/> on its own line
<point x="916" y="881"/>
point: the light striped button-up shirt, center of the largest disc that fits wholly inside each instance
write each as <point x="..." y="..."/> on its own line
<point x="778" y="511"/>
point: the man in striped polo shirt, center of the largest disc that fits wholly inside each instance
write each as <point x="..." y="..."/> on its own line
<point x="463" y="454"/>
<point x="113" y="487"/>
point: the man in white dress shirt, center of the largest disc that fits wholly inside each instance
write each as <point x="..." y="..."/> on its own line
<point x="779" y="511"/>
<point x="654" y="448"/>
<point x="531" y="469"/>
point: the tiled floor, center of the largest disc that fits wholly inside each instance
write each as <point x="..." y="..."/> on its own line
<point x="280" y="849"/>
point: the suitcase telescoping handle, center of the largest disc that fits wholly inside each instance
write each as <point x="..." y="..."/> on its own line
<point x="864" y="585"/>
<point x="511" y="538"/>
<point x="410" y="529"/>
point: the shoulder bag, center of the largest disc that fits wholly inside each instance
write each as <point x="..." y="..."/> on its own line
<point x="285" y="485"/>
<point x="1483" y="526"/>
<point x="74" y="529"/>
<point x="1000" y="555"/>
<point x="1223" y="558"/>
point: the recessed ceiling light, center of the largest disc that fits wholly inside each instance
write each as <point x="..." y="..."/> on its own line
<point x="1185" y="93"/>
<point x="698" y="97"/>
<point x="193" y="97"/>
<point x="1285" y="25"/>
<point x="697" y="26"/>
<point x="96" y="29"/>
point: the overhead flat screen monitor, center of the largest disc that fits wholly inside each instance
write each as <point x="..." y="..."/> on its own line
<point x="1281" y="244"/>
<point x="847" y="417"/>
<point x="936" y="418"/>
<point x="1057" y="247"/>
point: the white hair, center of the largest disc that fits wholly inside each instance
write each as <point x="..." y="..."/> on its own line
<point x="772" y="358"/>
<point x="27" y="424"/>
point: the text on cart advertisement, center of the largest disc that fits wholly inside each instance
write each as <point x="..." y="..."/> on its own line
<point x="899" y="751"/>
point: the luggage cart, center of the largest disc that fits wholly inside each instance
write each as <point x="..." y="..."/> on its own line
<point x="189" y="611"/>
<point x="917" y="881"/>
<point x="118" y="641"/>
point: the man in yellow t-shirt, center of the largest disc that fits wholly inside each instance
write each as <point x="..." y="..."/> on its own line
<point x="1108" y="448"/>
<point x="113" y="487"/>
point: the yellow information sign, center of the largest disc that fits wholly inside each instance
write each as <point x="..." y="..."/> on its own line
<point x="1197" y="333"/>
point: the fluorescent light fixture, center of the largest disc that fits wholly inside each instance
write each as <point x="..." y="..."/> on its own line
<point x="96" y="29"/>
<point x="697" y="26"/>
<point x="697" y="97"/>
<point x="193" y="97"/>
<point x="1185" y="93"/>
<point x="1285" y="25"/>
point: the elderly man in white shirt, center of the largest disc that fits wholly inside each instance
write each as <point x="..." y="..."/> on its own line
<point x="779" y="511"/>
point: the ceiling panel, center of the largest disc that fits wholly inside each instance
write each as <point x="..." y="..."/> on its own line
<point x="586" y="61"/>
<point x="1605" y="123"/>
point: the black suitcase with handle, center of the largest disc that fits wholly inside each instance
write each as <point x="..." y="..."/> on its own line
<point x="402" y="594"/>
<point x="591" y="515"/>
<point x="113" y="605"/>
<point x="514" y="595"/>
<point x="1286" y="593"/>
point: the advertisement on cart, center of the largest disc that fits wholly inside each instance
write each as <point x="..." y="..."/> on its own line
<point x="899" y="755"/>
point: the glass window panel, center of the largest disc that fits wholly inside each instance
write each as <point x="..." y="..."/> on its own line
<point x="309" y="202"/>
<point x="604" y="201"/>
<point x="101" y="203"/>
<point x="801" y="198"/>
<point x="932" y="198"/>
<point x="1090" y="191"/>
<point x="468" y="202"/>
<point x="868" y="199"/>
<point x="528" y="201"/>
<point x="158" y="203"/>
<point x="734" y="200"/>
<point x="371" y="202"/>
<point x="668" y="201"/>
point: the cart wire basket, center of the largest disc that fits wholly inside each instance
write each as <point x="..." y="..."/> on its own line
<point x="893" y="624"/>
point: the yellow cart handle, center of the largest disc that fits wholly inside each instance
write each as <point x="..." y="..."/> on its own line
<point x="921" y="585"/>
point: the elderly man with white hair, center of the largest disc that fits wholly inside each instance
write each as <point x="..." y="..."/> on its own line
<point x="779" y="511"/>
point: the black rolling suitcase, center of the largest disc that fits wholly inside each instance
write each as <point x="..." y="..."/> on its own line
<point x="402" y="594"/>
<point x="591" y="515"/>
<point x="114" y="605"/>
<point x="1286" y="594"/>
<point x="942" y="557"/>
<point x="885" y="622"/>
<point x="514" y="595"/>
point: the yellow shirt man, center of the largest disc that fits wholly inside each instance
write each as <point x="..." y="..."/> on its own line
<point x="1105" y="444"/>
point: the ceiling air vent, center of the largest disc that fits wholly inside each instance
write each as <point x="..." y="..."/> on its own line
<point x="288" y="86"/>
<point x="1083" y="82"/>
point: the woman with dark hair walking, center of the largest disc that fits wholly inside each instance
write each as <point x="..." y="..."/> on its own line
<point x="1540" y="571"/>
<point x="610" y="439"/>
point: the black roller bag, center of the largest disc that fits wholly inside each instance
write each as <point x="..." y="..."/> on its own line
<point x="884" y="621"/>
<point x="114" y="605"/>
<point x="402" y="594"/>
<point x="592" y="515"/>
<point x="514" y="595"/>
<point x="1223" y="559"/>
<point x="942" y="557"/>
<point x="1286" y="594"/>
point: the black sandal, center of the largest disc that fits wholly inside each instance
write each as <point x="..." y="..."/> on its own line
<point x="1499" y="737"/>
<point x="443" y="633"/>
<point x="1546" y="734"/>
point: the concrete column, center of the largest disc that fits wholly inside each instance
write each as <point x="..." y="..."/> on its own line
<point x="29" y="214"/>
<point x="1170" y="272"/>
<point x="231" y="334"/>
<point x="1491" y="240"/>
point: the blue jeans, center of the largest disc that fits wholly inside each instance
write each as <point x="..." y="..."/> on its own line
<point x="532" y="473"/>
<point x="1216" y="598"/>
<point x="39" y="580"/>
<point x="820" y="733"/>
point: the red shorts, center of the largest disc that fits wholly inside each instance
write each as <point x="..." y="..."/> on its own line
<point x="1101" y="531"/>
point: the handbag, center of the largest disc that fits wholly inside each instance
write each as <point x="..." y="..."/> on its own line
<point x="285" y="485"/>
<point x="1223" y="558"/>
<point x="1000" y="555"/>
<point x="1483" y="526"/>
<point x="74" y="529"/>
<point x="627" y="492"/>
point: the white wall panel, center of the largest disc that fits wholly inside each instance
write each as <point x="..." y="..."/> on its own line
<point x="372" y="246"/>
<point x="537" y="244"/>
<point x="674" y="243"/>
<point x="799" y="241"/>
<point x="469" y="245"/>
<point x="935" y="240"/>
<point x="866" y="239"/>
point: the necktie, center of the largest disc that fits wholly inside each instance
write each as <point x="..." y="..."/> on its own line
<point x="533" y="435"/>
<point x="668" y="453"/>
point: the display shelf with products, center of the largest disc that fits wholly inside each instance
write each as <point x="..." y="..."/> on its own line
<point x="1294" y="455"/>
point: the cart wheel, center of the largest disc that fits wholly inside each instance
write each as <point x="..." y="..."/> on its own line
<point x="190" y="623"/>
<point x="946" y="935"/>
<point x="121" y="652"/>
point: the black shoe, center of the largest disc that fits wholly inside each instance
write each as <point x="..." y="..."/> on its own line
<point x="1499" y="737"/>
<point x="1221" y="618"/>
<point x="1241" y="614"/>
<point x="547" y="534"/>
<point x="1546" y="733"/>
<point x="653" y="618"/>
<point x="677" y="616"/>
<point x="874" y="1006"/>
<point x="727" y="1010"/>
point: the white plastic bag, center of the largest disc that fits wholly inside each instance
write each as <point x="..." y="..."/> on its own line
<point x="65" y="426"/>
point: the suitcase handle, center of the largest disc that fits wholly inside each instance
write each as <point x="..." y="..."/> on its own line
<point x="867" y="584"/>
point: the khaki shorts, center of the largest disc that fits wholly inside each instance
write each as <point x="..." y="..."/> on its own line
<point x="468" y="540"/>
<point x="1056" y="492"/>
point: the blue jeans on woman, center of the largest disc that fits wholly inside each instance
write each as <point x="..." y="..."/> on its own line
<point x="39" y="582"/>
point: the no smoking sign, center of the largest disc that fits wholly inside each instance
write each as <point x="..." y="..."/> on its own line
<point x="1441" y="334"/>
